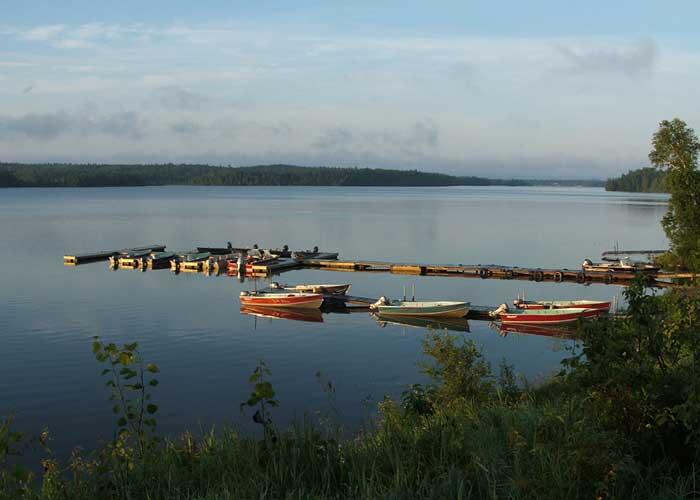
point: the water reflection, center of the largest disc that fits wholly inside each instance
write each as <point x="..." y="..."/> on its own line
<point x="560" y="331"/>
<point x="453" y="324"/>
<point x="312" y="315"/>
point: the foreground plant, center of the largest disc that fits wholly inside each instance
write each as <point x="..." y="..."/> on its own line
<point x="130" y="379"/>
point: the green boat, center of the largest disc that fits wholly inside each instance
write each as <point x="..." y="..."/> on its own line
<point x="445" y="309"/>
<point x="195" y="257"/>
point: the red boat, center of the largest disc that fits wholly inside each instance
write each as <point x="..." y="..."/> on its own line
<point x="293" y="300"/>
<point x="544" y="316"/>
<point x="562" y="304"/>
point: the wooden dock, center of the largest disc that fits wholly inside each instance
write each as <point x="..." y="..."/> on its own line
<point x="492" y="272"/>
<point x="216" y="264"/>
<point x="83" y="258"/>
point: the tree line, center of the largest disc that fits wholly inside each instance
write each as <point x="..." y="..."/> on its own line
<point x="101" y="175"/>
<point x="642" y="180"/>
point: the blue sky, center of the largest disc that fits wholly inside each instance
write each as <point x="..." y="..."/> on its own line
<point x="510" y="88"/>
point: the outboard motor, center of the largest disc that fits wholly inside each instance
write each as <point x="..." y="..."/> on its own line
<point x="383" y="301"/>
<point x="503" y="308"/>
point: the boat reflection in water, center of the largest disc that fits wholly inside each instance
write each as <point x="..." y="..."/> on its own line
<point x="563" y="331"/>
<point x="454" y="324"/>
<point x="311" y="315"/>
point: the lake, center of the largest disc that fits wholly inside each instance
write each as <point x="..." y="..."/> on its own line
<point x="191" y="325"/>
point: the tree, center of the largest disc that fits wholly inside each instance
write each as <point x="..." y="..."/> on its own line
<point x="675" y="150"/>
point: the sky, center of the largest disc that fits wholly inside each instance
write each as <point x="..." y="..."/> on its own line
<point x="536" y="89"/>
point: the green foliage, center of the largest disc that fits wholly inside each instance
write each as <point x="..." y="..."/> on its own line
<point x="459" y="370"/>
<point x="639" y="374"/>
<point x="126" y="375"/>
<point x="262" y="398"/>
<point x="86" y="175"/>
<point x="14" y="478"/>
<point x="675" y="150"/>
<point x="643" y="180"/>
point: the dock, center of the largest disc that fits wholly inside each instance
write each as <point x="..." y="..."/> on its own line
<point x="217" y="264"/>
<point x="489" y="271"/>
<point x="83" y="258"/>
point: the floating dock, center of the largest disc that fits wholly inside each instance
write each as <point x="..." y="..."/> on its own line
<point x="477" y="271"/>
<point x="217" y="264"/>
<point x="82" y="258"/>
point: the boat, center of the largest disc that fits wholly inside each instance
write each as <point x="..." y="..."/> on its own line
<point x="446" y="309"/>
<point x="622" y="265"/>
<point x="314" y="254"/>
<point x="156" y="260"/>
<point x="438" y="323"/>
<point x="309" y="288"/>
<point x="114" y="260"/>
<point x="195" y="257"/>
<point x="293" y="300"/>
<point x="562" y="304"/>
<point x="540" y="316"/>
<point x="311" y="315"/>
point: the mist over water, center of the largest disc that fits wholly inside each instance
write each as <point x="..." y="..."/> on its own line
<point x="191" y="325"/>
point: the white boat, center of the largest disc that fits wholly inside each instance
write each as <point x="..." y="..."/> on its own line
<point x="340" y="289"/>
<point x="445" y="309"/>
<point x="623" y="265"/>
<point x="562" y="304"/>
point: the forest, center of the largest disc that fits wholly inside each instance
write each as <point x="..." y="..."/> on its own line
<point x="100" y="175"/>
<point x="642" y="180"/>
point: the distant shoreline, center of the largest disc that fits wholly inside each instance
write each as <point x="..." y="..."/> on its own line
<point x="20" y="175"/>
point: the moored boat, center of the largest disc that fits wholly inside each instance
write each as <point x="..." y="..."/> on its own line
<point x="447" y="309"/>
<point x="315" y="253"/>
<point x="562" y="304"/>
<point x="294" y="300"/>
<point x="620" y="266"/>
<point x="540" y="316"/>
<point x="340" y="289"/>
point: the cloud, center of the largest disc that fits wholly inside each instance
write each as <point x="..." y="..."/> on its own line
<point x="334" y="138"/>
<point x="177" y="98"/>
<point x="43" y="33"/>
<point x="35" y="126"/>
<point x="49" y="126"/>
<point x="638" y="59"/>
<point x="420" y="136"/>
<point x="185" y="127"/>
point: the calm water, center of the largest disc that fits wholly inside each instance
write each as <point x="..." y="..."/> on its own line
<point x="191" y="325"/>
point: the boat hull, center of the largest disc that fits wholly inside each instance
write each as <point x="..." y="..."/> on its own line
<point x="552" y="316"/>
<point x="563" y="304"/>
<point x="458" y="310"/>
<point x="309" y="288"/>
<point x="297" y="301"/>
